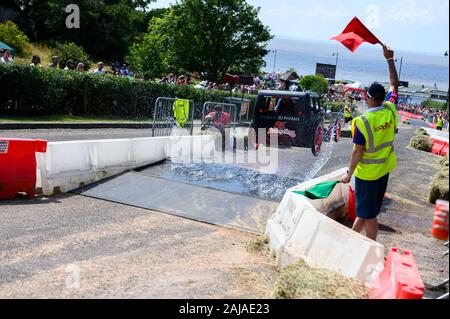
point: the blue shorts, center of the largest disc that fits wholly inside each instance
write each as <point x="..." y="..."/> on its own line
<point x="369" y="197"/>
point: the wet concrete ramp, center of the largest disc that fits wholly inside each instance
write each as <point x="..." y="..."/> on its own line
<point x="184" y="200"/>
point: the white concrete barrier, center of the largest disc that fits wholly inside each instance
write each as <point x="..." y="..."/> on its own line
<point x="68" y="165"/>
<point x="302" y="229"/>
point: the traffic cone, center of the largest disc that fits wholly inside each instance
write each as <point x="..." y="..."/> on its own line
<point x="440" y="221"/>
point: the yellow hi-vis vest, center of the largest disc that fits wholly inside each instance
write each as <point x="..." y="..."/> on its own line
<point x="379" y="130"/>
<point x="181" y="111"/>
<point x="440" y="123"/>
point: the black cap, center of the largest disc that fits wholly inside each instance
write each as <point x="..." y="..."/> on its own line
<point x="377" y="92"/>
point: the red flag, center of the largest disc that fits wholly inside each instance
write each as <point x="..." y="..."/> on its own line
<point x="355" y="34"/>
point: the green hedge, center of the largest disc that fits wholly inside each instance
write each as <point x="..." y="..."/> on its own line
<point x="38" y="91"/>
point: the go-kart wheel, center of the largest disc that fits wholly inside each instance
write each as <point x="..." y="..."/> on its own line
<point x="318" y="140"/>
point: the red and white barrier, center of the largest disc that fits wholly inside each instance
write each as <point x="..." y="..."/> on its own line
<point x="400" y="278"/>
<point x="440" y="141"/>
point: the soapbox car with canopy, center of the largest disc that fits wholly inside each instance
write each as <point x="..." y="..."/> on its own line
<point x="297" y="118"/>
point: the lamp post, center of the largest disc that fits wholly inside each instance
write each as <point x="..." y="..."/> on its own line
<point x="274" y="60"/>
<point x="336" y="54"/>
<point x="448" y="90"/>
<point x="401" y="66"/>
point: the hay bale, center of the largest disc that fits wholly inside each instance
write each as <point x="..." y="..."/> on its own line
<point x="258" y="245"/>
<point x="444" y="162"/>
<point x="443" y="173"/>
<point x="439" y="190"/>
<point x="421" y="143"/>
<point x="439" y="186"/>
<point x="300" y="281"/>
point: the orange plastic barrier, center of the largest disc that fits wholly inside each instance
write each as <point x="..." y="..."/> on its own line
<point x="351" y="204"/>
<point x="444" y="151"/>
<point x="18" y="166"/>
<point x="440" y="221"/>
<point x="439" y="147"/>
<point x="400" y="278"/>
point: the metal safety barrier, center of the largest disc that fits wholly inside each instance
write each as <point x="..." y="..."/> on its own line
<point x="164" y="119"/>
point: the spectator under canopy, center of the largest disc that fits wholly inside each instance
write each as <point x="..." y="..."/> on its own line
<point x="4" y="46"/>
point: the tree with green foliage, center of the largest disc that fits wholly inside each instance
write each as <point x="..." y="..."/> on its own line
<point x="212" y="37"/>
<point x="443" y="106"/>
<point x="150" y="56"/>
<point x="107" y="26"/>
<point x="315" y="83"/>
<point x="12" y="36"/>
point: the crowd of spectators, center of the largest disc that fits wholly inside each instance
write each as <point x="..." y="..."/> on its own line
<point x="121" y="69"/>
<point x="5" y="56"/>
<point x="269" y="81"/>
<point x="336" y="94"/>
<point x="184" y="79"/>
<point x="117" y="69"/>
<point x="430" y="114"/>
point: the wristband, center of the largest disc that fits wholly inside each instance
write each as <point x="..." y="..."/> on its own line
<point x="348" y="173"/>
<point x="390" y="59"/>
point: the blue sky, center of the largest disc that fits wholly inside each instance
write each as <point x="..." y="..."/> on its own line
<point x="409" y="25"/>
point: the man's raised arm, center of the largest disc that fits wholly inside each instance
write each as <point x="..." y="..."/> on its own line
<point x="393" y="76"/>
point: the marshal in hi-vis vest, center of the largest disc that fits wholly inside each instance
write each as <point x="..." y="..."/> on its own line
<point x="379" y="130"/>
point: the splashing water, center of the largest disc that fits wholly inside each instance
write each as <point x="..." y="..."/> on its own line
<point x="244" y="180"/>
<point x="322" y="159"/>
<point x="241" y="179"/>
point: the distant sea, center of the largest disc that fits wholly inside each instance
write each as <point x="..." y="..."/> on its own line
<point x="366" y="65"/>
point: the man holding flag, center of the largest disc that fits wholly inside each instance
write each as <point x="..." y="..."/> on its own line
<point x="373" y="156"/>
